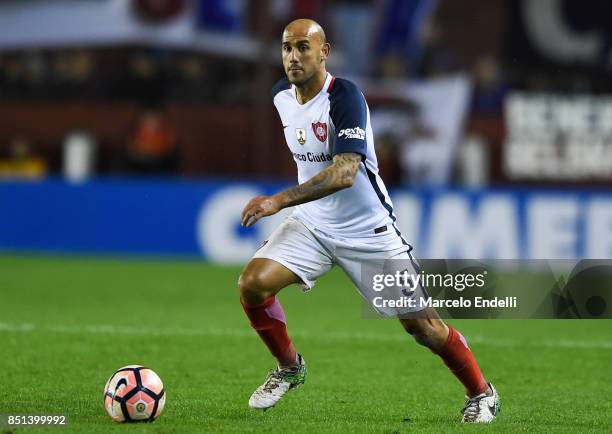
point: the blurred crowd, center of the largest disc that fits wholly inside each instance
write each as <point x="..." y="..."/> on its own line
<point x="152" y="78"/>
<point x="143" y="75"/>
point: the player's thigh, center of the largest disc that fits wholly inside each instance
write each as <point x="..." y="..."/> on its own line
<point x="297" y="249"/>
<point x="363" y="266"/>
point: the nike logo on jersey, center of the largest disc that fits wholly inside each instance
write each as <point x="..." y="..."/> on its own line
<point x="285" y="126"/>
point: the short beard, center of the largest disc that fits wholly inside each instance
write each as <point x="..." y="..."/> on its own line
<point x="300" y="83"/>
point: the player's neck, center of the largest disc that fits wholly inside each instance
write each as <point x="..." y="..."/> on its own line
<point x="311" y="88"/>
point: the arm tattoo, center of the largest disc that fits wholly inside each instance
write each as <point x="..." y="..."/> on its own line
<point x="338" y="176"/>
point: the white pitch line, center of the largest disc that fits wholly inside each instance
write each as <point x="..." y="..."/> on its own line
<point x="333" y="336"/>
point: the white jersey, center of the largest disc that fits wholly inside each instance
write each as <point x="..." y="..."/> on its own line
<point x="335" y="121"/>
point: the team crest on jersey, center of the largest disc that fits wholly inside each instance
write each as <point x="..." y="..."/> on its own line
<point x="300" y="133"/>
<point x="320" y="130"/>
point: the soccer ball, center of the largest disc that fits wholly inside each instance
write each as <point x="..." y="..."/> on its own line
<point x="134" y="394"/>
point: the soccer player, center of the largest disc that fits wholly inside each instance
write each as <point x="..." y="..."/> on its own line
<point x="343" y="216"/>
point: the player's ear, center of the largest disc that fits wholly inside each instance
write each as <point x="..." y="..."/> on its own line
<point x="325" y="50"/>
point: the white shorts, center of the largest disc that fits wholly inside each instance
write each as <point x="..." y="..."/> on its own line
<point x="310" y="253"/>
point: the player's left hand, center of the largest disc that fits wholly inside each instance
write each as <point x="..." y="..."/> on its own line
<point x="258" y="207"/>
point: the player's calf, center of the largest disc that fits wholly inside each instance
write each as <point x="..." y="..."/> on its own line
<point x="268" y="320"/>
<point x="429" y="330"/>
<point x="258" y="284"/>
<point x="261" y="280"/>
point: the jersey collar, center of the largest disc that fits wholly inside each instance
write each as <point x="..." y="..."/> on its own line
<point x="327" y="86"/>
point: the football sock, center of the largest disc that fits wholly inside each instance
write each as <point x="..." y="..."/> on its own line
<point x="460" y="360"/>
<point x="268" y="319"/>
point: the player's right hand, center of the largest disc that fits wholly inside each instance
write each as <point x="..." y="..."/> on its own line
<point x="258" y="207"/>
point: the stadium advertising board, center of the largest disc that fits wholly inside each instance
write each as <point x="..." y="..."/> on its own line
<point x="202" y="219"/>
<point x="558" y="137"/>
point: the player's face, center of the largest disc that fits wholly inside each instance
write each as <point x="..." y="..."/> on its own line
<point x="302" y="57"/>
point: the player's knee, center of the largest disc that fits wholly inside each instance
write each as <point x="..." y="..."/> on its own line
<point x="252" y="288"/>
<point x="429" y="333"/>
<point x="409" y="326"/>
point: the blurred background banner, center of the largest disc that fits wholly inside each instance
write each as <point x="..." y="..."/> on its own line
<point x="560" y="34"/>
<point x="27" y="23"/>
<point x="492" y="121"/>
<point x="202" y="219"/>
<point x="419" y="123"/>
<point x="203" y="24"/>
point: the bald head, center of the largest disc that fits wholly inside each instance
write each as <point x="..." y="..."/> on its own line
<point x="305" y="50"/>
<point x="306" y="28"/>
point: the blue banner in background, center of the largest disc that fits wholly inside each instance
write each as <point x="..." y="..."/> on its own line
<point x="202" y="219"/>
<point x="116" y="216"/>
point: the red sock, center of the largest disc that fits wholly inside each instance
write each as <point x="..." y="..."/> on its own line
<point x="460" y="360"/>
<point x="268" y="319"/>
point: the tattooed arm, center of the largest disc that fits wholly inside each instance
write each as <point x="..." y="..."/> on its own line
<point x="339" y="175"/>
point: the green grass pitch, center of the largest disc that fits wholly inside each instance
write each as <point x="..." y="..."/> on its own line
<point x="67" y="323"/>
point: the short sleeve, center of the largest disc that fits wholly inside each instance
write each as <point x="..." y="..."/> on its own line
<point x="348" y="112"/>
<point x="282" y="84"/>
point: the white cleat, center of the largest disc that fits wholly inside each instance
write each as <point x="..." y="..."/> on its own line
<point x="481" y="408"/>
<point x="277" y="384"/>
